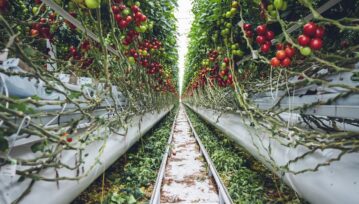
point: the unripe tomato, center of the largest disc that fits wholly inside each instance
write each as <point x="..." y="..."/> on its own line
<point x="280" y="54"/>
<point x="309" y="29"/>
<point x="93" y="4"/>
<point x="275" y="62"/>
<point x="278" y="4"/>
<point x="303" y="40"/>
<point x="305" y="51"/>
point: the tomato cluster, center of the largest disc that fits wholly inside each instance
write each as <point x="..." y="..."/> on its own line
<point x="311" y="39"/>
<point x="264" y="38"/>
<point x="283" y="56"/>
<point x="42" y="28"/>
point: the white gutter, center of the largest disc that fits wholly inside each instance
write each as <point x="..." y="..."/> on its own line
<point x="65" y="191"/>
<point x="336" y="183"/>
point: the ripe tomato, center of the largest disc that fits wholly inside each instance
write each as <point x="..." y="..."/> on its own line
<point x="247" y="26"/>
<point x="309" y="29"/>
<point x="118" y="18"/>
<point x="128" y="19"/>
<point x="249" y="33"/>
<point x="260" y="39"/>
<point x="286" y="62"/>
<point x="319" y="32"/>
<point x="226" y="60"/>
<point x="289" y="52"/>
<point x="261" y="29"/>
<point x="115" y="9"/>
<point x="280" y="54"/>
<point x="275" y="62"/>
<point x="280" y="46"/>
<point x="303" y="40"/>
<point x="316" y="43"/>
<point x="265" y="48"/>
<point x="34" y="32"/>
<point x="135" y="8"/>
<point x="270" y="35"/>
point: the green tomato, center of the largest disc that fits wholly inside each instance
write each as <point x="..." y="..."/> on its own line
<point x="234" y="46"/>
<point x="93" y="4"/>
<point x="131" y="60"/>
<point x="137" y="3"/>
<point x="306" y="51"/>
<point x="228" y="25"/>
<point x="278" y="4"/>
<point x="273" y="14"/>
<point x="126" y="12"/>
<point x="235" y="4"/>
<point x="143" y="28"/>
<point x="270" y="7"/>
<point x="284" y="6"/>
<point x="35" y="10"/>
<point x="228" y="14"/>
<point x="223" y="65"/>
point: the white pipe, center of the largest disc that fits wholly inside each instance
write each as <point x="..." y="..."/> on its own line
<point x="336" y="183"/>
<point x="49" y="192"/>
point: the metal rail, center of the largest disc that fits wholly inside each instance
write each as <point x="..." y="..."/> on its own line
<point x="224" y="197"/>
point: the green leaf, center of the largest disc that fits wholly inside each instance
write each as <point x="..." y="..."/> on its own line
<point x="38" y="147"/>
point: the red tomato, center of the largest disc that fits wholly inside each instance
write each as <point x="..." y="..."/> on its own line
<point x="118" y="18"/>
<point x="128" y="19"/>
<point x="247" y="26"/>
<point x="34" y="32"/>
<point x="249" y="33"/>
<point x="280" y="46"/>
<point x="226" y="60"/>
<point x="265" y="48"/>
<point x="309" y="29"/>
<point x="316" y="43"/>
<point x="261" y="29"/>
<point x="286" y="62"/>
<point x="319" y="32"/>
<point x="275" y="62"/>
<point x="303" y="40"/>
<point x="289" y="52"/>
<point x="270" y="35"/>
<point x="260" y="39"/>
<point x="280" y="54"/>
<point x="115" y="9"/>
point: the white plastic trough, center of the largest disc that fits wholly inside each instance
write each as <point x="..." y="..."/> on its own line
<point x="48" y="192"/>
<point x="336" y="183"/>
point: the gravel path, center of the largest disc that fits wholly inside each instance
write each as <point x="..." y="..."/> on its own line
<point x="186" y="178"/>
